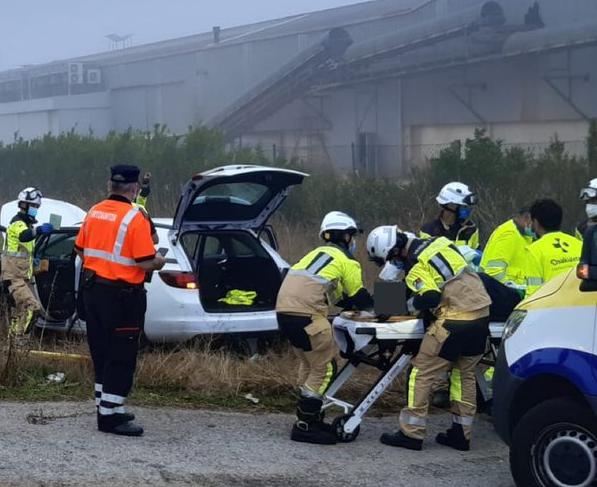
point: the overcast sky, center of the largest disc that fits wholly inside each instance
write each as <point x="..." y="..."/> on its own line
<point x="37" y="31"/>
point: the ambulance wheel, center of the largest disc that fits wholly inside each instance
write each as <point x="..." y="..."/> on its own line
<point x="338" y="427"/>
<point x="555" y="444"/>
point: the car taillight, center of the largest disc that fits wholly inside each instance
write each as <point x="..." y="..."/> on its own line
<point x="180" y="279"/>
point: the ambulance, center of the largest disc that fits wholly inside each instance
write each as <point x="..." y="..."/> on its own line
<point x="545" y="382"/>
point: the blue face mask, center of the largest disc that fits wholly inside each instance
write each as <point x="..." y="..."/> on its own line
<point x="32" y="211"/>
<point x="528" y="232"/>
<point x="352" y="247"/>
<point x="464" y="212"/>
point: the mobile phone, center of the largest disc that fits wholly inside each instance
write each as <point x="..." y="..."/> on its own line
<point x="163" y="251"/>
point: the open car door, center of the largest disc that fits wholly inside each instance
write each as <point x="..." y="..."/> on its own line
<point x="56" y="282"/>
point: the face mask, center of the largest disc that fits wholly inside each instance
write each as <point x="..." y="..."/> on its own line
<point x="352" y="247"/>
<point x="32" y="212"/>
<point x="464" y="212"/>
<point x="528" y="232"/>
<point x="591" y="210"/>
<point x="392" y="271"/>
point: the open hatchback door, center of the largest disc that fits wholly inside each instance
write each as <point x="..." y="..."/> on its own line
<point x="216" y="234"/>
<point x="241" y="197"/>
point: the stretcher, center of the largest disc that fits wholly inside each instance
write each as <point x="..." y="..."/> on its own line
<point x="389" y="347"/>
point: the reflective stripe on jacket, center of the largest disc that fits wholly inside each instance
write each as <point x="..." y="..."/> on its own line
<point x="504" y="257"/>
<point x="114" y="238"/>
<point x="553" y="254"/>
<point x="319" y="280"/>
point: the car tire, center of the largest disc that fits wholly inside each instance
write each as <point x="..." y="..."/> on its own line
<point x="555" y="444"/>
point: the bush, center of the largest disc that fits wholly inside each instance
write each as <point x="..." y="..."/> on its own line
<point x="74" y="167"/>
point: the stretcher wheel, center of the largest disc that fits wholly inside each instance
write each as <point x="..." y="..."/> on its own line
<point x="338" y="426"/>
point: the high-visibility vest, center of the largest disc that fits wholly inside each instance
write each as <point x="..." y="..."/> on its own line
<point x="319" y="280"/>
<point x="505" y="255"/>
<point x="437" y="262"/>
<point x="114" y="238"/>
<point x="553" y="254"/>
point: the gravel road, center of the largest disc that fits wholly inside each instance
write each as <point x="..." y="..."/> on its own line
<point x="56" y="444"/>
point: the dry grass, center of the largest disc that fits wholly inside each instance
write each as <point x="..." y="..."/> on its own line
<point x="191" y="376"/>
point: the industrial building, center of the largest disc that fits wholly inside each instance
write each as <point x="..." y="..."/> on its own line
<point x="375" y="87"/>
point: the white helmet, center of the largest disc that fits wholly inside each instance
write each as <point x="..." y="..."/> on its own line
<point x="31" y="196"/>
<point x="456" y="193"/>
<point x="338" y="221"/>
<point x="590" y="192"/>
<point x="383" y="239"/>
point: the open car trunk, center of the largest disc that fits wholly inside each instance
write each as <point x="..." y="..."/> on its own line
<point x="225" y="261"/>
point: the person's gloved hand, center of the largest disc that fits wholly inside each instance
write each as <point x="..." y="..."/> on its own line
<point x="410" y="306"/>
<point x="45" y="229"/>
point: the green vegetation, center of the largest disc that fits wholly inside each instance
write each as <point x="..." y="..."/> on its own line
<point x="74" y="167"/>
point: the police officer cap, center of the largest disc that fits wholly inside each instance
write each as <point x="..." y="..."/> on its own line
<point x="123" y="173"/>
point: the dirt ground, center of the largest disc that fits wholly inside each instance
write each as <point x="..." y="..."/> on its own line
<point x="56" y="444"/>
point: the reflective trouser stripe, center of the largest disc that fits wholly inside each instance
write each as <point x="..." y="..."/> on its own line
<point x="98" y="393"/>
<point x="462" y="420"/>
<point x="411" y="387"/>
<point x="406" y="418"/>
<point x="329" y="375"/>
<point x="106" y="411"/>
<point x="112" y="398"/>
<point x="455" y="385"/>
<point x="116" y="254"/>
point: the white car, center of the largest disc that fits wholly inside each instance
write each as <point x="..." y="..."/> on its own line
<point x="216" y="243"/>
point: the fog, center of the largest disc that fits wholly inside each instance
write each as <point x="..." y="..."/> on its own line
<point x="37" y="31"/>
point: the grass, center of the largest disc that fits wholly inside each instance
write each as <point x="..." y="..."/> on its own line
<point x="189" y="376"/>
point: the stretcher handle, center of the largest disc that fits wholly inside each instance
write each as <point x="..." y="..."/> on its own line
<point x="365" y="331"/>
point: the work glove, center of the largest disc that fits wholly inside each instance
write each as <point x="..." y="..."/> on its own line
<point x="45" y="229"/>
<point x="145" y="188"/>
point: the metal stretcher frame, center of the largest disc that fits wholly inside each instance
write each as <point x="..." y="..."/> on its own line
<point x="390" y="348"/>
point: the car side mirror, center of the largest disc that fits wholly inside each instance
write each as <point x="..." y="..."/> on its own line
<point x="587" y="268"/>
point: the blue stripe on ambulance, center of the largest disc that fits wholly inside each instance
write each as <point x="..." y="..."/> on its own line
<point x="578" y="367"/>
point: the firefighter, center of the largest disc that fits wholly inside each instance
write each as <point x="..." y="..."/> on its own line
<point x="504" y="257"/>
<point x="589" y="196"/>
<point x="441" y="284"/>
<point x="117" y="250"/>
<point x="17" y="260"/>
<point x="554" y="252"/>
<point x="326" y="276"/>
<point x="454" y="222"/>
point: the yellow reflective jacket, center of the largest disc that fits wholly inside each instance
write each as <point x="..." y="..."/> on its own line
<point x="553" y="254"/>
<point x="505" y="255"/>
<point x="14" y="247"/>
<point x="318" y="281"/>
<point x="438" y="262"/>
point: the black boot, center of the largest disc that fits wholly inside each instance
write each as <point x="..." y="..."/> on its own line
<point x="441" y="399"/>
<point x="400" y="440"/>
<point x="310" y="428"/>
<point x="110" y="424"/>
<point x="454" y="438"/>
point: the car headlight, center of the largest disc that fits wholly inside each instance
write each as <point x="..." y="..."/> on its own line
<point x="514" y="321"/>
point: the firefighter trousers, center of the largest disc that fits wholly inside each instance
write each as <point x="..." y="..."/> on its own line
<point x="448" y="346"/>
<point x="26" y="306"/>
<point x="114" y="317"/>
<point x="313" y="344"/>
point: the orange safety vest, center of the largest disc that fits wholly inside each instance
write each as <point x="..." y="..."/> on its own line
<point x="114" y="238"/>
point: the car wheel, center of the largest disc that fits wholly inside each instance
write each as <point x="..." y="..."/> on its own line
<point x="555" y="444"/>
